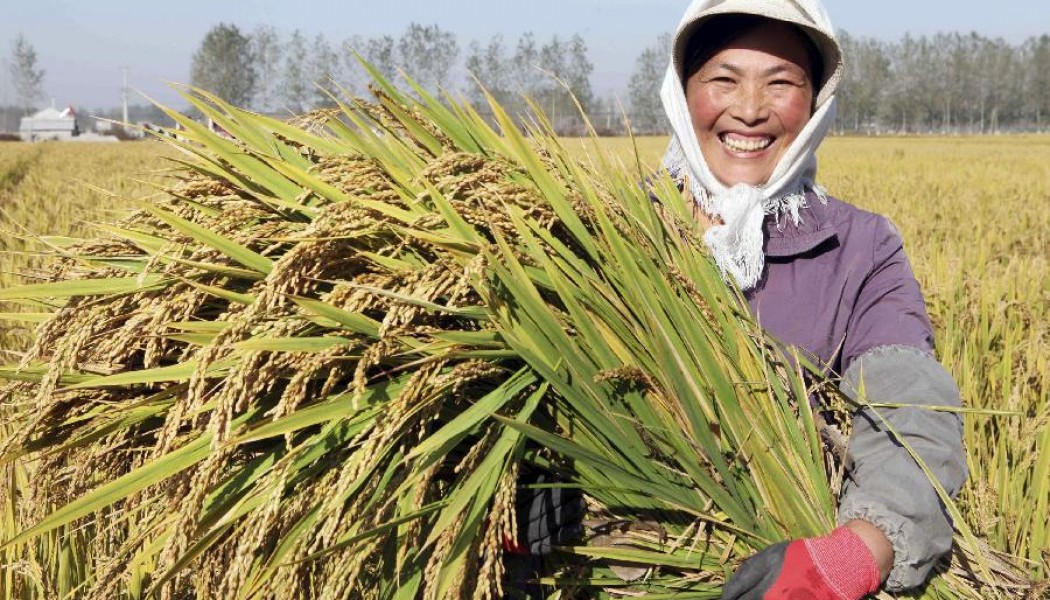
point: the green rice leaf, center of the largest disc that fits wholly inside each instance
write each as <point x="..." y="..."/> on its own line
<point x="174" y="373"/>
<point x="122" y="487"/>
<point x="235" y="251"/>
<point x="355" y="322"/>
<point x="84" y="287"/>
<point x="25" y="317"/>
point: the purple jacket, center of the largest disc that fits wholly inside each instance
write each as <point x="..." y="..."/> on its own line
<point x="839" y="287"/>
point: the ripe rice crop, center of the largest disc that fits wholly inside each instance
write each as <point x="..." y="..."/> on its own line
<point x="975" y="234"/>
<point x="976" y="222"/>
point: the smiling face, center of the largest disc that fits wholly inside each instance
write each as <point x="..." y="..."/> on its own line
<point x="750" y="101"/>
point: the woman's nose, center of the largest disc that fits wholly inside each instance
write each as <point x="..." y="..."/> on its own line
<point x="749" y="105"/>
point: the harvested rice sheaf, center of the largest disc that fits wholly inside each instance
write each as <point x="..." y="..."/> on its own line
<point x="316" y="367"/>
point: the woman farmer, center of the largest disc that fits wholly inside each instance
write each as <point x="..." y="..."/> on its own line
<point x="750" y="94"/>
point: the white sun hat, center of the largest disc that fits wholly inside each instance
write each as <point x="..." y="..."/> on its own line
<point x="808" y="15"/>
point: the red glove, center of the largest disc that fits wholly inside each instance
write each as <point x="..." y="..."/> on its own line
<point x="511" y="546"/>
<point x="837" y="566"/>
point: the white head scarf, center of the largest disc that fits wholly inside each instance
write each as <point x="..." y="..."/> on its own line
<point x="736" y="243"/>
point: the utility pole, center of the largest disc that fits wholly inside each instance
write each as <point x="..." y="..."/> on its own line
<point x="125" y="97"/>
<point x="4" y="96"/>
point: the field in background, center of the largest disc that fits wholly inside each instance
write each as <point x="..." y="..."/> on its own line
<point x="975" y="214"/>
<point x="54" y="190"/>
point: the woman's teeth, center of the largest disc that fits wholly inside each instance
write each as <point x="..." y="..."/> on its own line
<point x="737" y="145"/>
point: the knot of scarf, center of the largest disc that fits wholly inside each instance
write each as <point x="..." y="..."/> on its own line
<point x="736" y="243"/>
<point x="737" y="239"/>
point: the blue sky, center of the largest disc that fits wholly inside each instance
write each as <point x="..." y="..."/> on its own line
<point x="84" y="45"/>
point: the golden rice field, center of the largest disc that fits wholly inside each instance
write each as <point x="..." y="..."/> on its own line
<point x="975" y="214"/>
<point x="53" y="190"/>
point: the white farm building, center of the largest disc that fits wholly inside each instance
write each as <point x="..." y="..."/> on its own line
<point x="49" y="124"/>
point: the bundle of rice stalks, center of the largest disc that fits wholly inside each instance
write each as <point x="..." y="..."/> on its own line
<point x="316" y="365"/>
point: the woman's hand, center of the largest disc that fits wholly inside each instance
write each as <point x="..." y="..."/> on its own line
<point x="838" y="566"/>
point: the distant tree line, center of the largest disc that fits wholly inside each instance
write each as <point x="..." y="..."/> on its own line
<point x="293" y="73"/>
<point x="945" y="83"/>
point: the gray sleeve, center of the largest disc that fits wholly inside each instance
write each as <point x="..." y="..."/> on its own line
<point x="885" y="486"/>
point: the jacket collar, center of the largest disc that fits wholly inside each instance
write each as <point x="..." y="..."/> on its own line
<point x="786" y="240"/>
